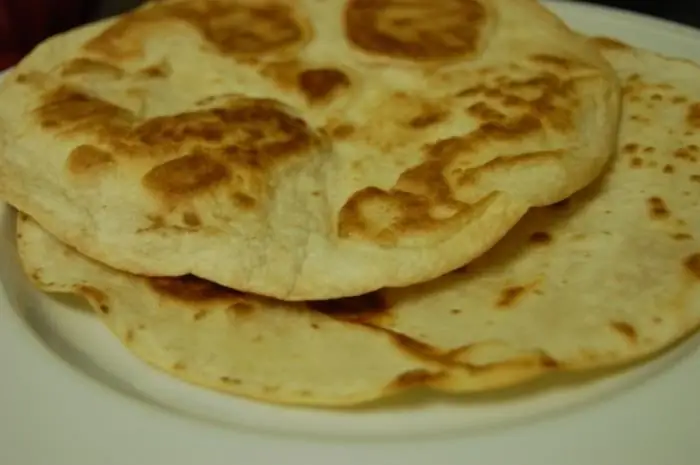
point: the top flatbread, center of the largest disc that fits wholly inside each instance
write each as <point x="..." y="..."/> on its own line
<point x="303" y="149"/>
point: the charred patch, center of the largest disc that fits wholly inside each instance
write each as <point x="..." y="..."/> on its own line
<point x="510" y="296"/>
<point x="626" y="330"/>
<point x="190" y="288"/>
<point x="692" y="264"/>
<point x="658" y="208"/>
<point x="540" y="238"/>
<point x="362" y="308"/>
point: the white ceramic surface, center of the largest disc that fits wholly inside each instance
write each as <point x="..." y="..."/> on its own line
<point x="71" y="394"/>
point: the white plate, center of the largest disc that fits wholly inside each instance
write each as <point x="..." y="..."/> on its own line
<point x="71" y="394"/>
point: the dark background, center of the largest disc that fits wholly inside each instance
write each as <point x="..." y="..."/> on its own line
<point x="683" y="11"/>
<point x="25" y="23"/>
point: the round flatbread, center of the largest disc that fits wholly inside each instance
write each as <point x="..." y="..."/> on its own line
<point x="607" y="277"/>
<point x="306" y="149"/>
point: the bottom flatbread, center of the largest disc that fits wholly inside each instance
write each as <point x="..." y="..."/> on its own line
<point x="609" y="276"/>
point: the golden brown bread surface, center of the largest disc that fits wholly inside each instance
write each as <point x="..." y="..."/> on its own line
<point x="608" y="276"/>
<point x="303" y="149"/>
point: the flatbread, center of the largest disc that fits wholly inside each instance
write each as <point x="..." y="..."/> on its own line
<point x="229" y="341"/>
<point x="304" y="149"/>
<point x="607" y="277"/>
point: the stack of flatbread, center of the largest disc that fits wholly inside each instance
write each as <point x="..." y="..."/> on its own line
<point x="329" y="201"/>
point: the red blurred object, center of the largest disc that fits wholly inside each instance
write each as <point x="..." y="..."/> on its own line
<point x="25" y="23"/>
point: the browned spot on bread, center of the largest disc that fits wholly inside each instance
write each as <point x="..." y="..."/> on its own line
<point x="685" y="154"/>
<point x="86" y="159"/>
<point x="636" y="162"/>
<point x="200" y="314"/>
<point x="156" y="222"/>
<point x="657" y="97"/>
<point x="285" y="73"/>
<point x="192" y="289"/>
<point x="232" y="381"/>
<point x="67" y="110"/>
<point x="95" y="296"/>
<point x="129" y="336"/>
<point x="179" y="366"/>
<point x="668" y="168"/>
<point x="413" y="378"/>
<point x="558" y="62"/>
<point x="540" y="237"/>
<point x="626" y="330"/>
<point x="695" y="177"/>
<point x="649" y="149"/>
<point x="610" y="44"/>
<point x="320" y="84"/>
<point x="36" y="276"/>
<point x="547" y="92"/>
<point x="485" y="112"/>
<point x="363" y="308"/>
<point x="510" y="296"/>
<point x="191" y="219"/>
<point x="159" y="71"/>
<point x="679" y="100"/>
<point x="682" y="236"/>
<point x="473" y="91"/>
<point x="435" y="30"/>
<point x="250" y="133"/>
<point x="234" y="28"/>
<point x="692" y="264"/>
<point x="79" y="66"/>
<point x="547" y="361"/>
<point x="428" y="118"/>
<point x="424" y="351"/>
<point x="244" y="201"/>
<point x="658" y="208"/>
<point x="630" y="148"/>
<point x="187" y="175"/>
<point x="242" y="308"/>
<point x="455" y="311"/>
<point x="693" y="116"/>
<point x="342" y="131"/>
<point x="387" y="217"/>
